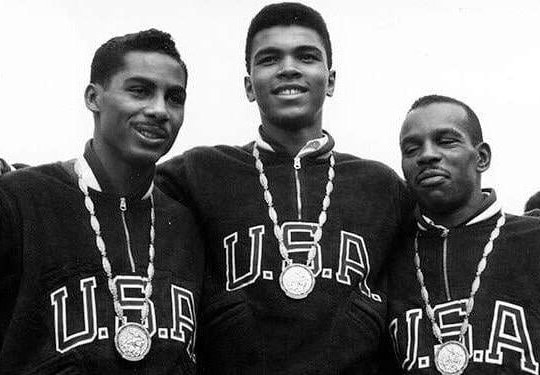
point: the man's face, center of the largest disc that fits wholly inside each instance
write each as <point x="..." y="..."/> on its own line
<point x="141" y="109"/>
<point x="289" y="76"/>
<point x="439" y="160"/>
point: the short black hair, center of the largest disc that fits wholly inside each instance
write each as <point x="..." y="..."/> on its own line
<point x="473" y="124"/>
<point x="109" y="58"/>
<point x="288" y="14"/>
<point x="533" y="202"/>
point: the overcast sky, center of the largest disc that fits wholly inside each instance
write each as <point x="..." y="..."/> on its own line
<point x="386" y="54"/>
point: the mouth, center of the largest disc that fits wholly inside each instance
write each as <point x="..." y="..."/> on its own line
<point x="150" y="132"/>
<point x="289" y="90"/>
<point x="431" y="177"/>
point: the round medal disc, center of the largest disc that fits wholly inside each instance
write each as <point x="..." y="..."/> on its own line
<point x="297" y="281"/>
<point x="132" y="341"/>
<point x="451" y="358"/>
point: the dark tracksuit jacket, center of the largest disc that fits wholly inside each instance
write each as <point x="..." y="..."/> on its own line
<point x="248" y="324"/>
<point x="57" y="314"/>
<point x="504" y="327"/>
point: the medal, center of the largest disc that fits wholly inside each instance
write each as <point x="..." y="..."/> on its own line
<point x="132" y="341"/>
<point x="451" y="358"/>
<point x="297" y="281"/>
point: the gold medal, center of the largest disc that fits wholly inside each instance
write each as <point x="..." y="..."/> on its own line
<point x="297" y="281"/>
<point x="451" y="358"/>
<point x="132" y="341"/>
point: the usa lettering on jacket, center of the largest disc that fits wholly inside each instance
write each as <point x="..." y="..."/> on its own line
<point x="299" y="239"/>
<point x="182" y="327"/>
<point x="508" y="333"/>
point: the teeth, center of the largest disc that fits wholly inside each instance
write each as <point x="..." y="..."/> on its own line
<point x="148" y="134"/>
<point x="289" y="92"/>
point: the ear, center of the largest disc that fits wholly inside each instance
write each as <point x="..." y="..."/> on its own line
<point x="331" y="83"/>
<point x="484" y="157"/>
<point x="92" y="96"/>
<point x="250" y="92"/>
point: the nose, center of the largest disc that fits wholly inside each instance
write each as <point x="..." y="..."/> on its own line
<point x="289" y="68"/>
<point x="157" y="108"/>
<point x="429" y="154"/>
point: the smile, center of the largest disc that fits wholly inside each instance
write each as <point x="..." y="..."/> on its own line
<point x="289" y="90"/>
<point x="151" y="132"/>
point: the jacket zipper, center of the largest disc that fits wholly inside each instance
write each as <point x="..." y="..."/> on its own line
<point x="445" y="265"/>
<point x="123" y="209"/>
<point x="297" y="167"/>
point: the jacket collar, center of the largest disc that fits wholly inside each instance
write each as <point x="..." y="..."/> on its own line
<point x="489" y="208"/>
<point x="93" y="173"/>
<point x="319" y="148"/>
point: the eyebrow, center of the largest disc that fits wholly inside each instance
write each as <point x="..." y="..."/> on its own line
<point x="276" y="50"/>
<point x="149" y="82"/>
<point x="437" y="133"/>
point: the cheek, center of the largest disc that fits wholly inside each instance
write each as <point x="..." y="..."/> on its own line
<point x="408" y="167"/>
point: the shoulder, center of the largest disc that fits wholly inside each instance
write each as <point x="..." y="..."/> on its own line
<point x="35" y="178"/>
<point x="522" y="226"/>
<point x="366" y="166"/>
<point x="205" y="159"/>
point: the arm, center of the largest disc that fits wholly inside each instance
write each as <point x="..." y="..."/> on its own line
<point x="10" y="262"/>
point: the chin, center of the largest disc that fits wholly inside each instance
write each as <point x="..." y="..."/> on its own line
<point x="293" y="122"/>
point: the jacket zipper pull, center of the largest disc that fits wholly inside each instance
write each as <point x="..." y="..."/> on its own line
<point x="123" y="206"/>
<point x="297" y="164"/>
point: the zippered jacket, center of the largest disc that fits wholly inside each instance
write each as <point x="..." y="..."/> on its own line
<point x="56" y="312"/>
<point x="248" y="324"/>
<point x="503" y="335"/>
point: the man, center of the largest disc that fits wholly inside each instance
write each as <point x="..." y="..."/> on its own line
<point x="297" y="233"/>
<point x="100" y="272"/>
<point x="532" y="207"/>
<point x="463" y="293"/>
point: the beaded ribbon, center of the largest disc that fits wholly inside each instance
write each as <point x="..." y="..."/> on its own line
<point x="278" y="233"/>
<point x="474" y="288"/>
<point x="100" y="243"/>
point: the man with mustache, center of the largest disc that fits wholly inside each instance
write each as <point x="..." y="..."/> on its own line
<point x="100" y="272"/>
<point x="297" y="233"/>
<point x="463" y="293"/>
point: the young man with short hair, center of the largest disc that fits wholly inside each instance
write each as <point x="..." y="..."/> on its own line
<point x="463" y="294"/>
<point x="297" y="233"/>
<point x="100" y="272"/>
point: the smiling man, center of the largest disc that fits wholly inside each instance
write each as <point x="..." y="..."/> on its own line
<point x="463" y="295"/>
<point x="100" y="272"/>
<point x="297" y="233"/>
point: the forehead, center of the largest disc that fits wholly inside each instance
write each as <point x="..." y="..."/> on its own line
<point x="433" y="119"/>
<point x="286" y="37"/>
<point x="152" y="66"/>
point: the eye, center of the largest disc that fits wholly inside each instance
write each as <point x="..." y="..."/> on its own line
<point x="139" y="91"/>
<point x="177" y="98"/>
<point x="408" y="150"/>
<point x="309" y="57"/>
<point x="267" y="60"/>
<point x="447" y="141"/>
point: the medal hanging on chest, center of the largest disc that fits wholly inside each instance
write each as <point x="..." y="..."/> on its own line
<point x="132" y="340"/>
<point x="296" y="279"/>
<point x="452" y="357"/>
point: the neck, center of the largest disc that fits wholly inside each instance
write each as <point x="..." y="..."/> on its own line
<point x="460" y="215"/>
<point x="124" y="178"/>
<point x="292" y="140"/>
